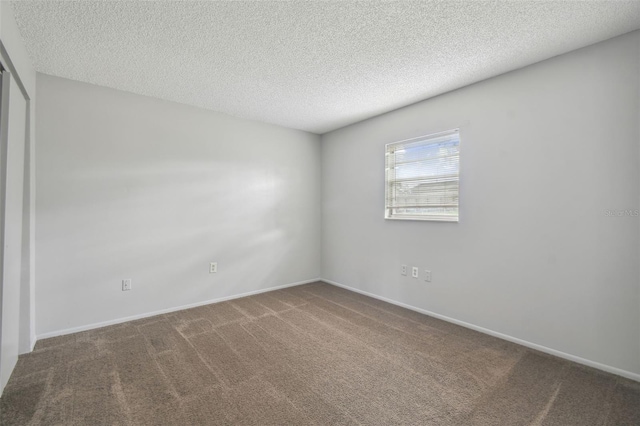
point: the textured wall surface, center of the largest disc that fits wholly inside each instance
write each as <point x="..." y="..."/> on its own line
<point x="549" y="157"/>
<point x="135" y="187"/>
<point x="314" y="66"/>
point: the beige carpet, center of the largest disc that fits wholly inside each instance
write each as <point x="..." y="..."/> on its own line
<point x="313" y="354"/>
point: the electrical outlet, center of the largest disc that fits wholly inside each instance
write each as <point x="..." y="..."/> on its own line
<point x="403" y="270"/>
<point x="213" y="267"/>
<point x="427" y="275"/>
<point x="126" y="284"/>
<point x="414" y="272"/>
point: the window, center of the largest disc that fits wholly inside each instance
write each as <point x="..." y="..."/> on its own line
<point x="422" y="176"/>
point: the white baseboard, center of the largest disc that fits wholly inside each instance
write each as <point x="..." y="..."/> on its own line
<point x="164" y="311"/>
<point x="579" y="360"/>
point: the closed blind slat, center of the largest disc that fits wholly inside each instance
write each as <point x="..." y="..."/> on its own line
<point x="422" y="178"/>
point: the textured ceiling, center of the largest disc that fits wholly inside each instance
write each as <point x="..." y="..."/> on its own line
<point x="315" y="66"/>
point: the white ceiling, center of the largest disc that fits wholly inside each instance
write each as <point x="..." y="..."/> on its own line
<point x="315" y="66"/>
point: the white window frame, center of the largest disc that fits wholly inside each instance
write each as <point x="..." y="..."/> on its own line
<point x="391" y="182"/>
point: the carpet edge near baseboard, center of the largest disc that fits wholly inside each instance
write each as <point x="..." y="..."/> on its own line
<point x="589" y="363"/>
<point x="115" y="321"/>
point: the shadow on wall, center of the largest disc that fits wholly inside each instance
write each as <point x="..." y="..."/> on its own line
<point x="161" y="225"/>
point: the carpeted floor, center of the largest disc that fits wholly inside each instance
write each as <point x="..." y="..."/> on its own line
<point x="313" y="354"/>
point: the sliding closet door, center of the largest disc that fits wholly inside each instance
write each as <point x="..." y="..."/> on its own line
<point x="11" y="202"/>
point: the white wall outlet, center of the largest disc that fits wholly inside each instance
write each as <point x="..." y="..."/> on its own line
<point x="126" y="284"/>
<point x="414" y="272"/>
<point x="213" y="267"/>
<point x="427" y="275"/>
<point x="403" y="270"/>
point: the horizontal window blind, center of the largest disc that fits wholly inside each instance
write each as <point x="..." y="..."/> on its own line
<point x="422" y="177"/>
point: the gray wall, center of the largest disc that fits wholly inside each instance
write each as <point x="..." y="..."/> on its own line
<point x="135" y="187"/>
<point x="545" y="151"/>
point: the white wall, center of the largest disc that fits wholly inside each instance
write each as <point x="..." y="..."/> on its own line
<point x="17" y="199"/>
<point x="545" y="150"/>
<point x="27" y="286"/>
<point x="134" y="187"/>
<point x="12" y="254"/>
